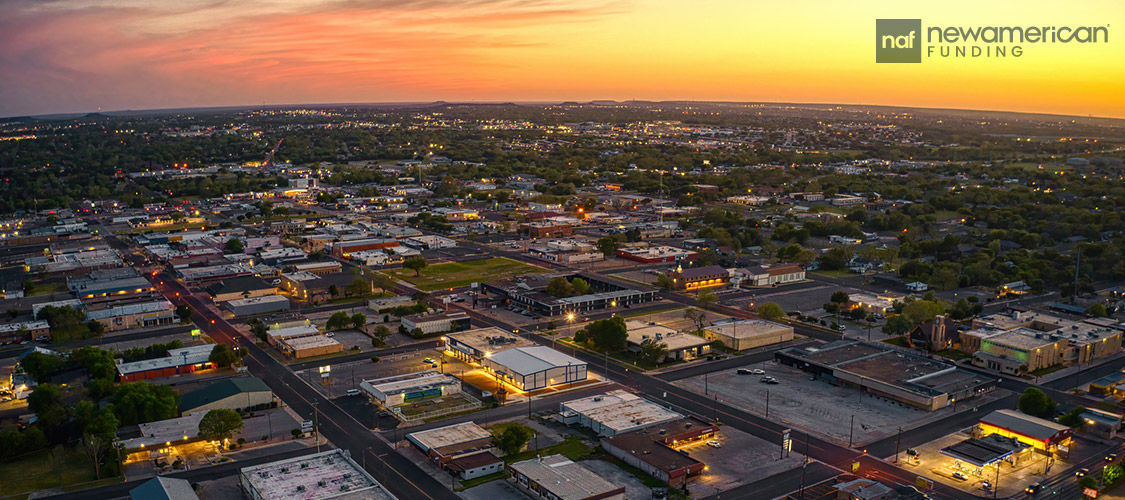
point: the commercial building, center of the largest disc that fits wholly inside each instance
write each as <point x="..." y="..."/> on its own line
<point x="237" y="393"/>
<point x="242" y="287"/>
<point x="257" y="305"/>
<point x="556" y="477"/>
<point x="656" y="255"/>
<point x="445" y="443"/>
<point x="874" y="303"/>
<point x="443" y="322"/>
<point x="195" y="276"/>
<point x="883" y="371"/>
<point x="156" y="437"/>
<point x="773" y="274"/>
<point x="401" y="389"/>
<point x="743" y="334"/>
<point x="177" y="362"/>
<point x="475" y="345"/>
<point x="988" y="450"/>
<point x="26" y="330"/>
<point x="327" y="475"/>
<point x="1018" y="342"/>
<point x="680" y="346"/>
<point x="566" y="251"/>
<point x="1041" y="434"/>
<point x="307" y="347"/>
<point x="318" y="268"/>
<point x="138" y="315"/>
<point x="114" y="288"/>
<point x="429" y="242"/>
<point x="473" y="465"/>
<point x="344" y="249"/>
<point x="309" y="287"/>
<point x="546" y="229"/>
<point x="700" y="277"/>
<point x="164" y="488"/>
<point x="529" y="293"/>
<point x="653" y="449"/>
<point x="614" y="412"/>
<point x="533" y="368"/>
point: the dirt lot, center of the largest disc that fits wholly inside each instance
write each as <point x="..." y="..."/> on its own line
<point x="817" y="406"/>
<point x="741" y="459"/>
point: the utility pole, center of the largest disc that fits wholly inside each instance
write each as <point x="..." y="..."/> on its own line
<point x="898" y="439"/>
<point x="804" y="466"/>
<point x="851" y="431"/>
<point x="705" y="386"/>
<point x="316" y="423"/>
<point x="767" y="403"/>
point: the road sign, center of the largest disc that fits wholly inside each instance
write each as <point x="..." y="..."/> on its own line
<point x="855" y="467"/>
<point x="1090" y="492"/>
<point x="786" y="441"/>
<point x="195" y="332"/>
<point x="922" y="482"/>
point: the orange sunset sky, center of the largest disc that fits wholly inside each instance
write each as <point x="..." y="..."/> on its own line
<point x="85" y="55"/>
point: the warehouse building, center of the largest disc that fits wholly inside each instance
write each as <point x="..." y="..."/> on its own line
<point x="683" y="346"/>
<point x="321" y="476"/>
<point x="743" y="334"/>
<point x="177" y="362"/>
<point x="530" y="293"/>
<point x="475" y="345"/>
<point x="614" y="413"/>
<point x="307" y="347"/>
<point x="242" y="287"/>
<point x="400" y="389"/>
<point x="556" y="477"/>
<point x="257" y="305"/>
<point x="138" y="315"/>
<point x="238" y="393"/>
<point x="443" y="322"/>
<point x="445" y="443"/>
<point x="309" y="287"/>
<point x="659" y="460"/>
<point x="534" y="368"/>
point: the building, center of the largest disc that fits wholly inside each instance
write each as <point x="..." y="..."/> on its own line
<point x="429" y="242"/>
<point x="681" y="346"/>
<point x="566" y="251"/>
<point x="773" y="274"/>
<point x="874" y="303"/>
<point x="177" y="362"/>
<point x="615" y="412"/>
<point x="445" y="443"/>
<point x="937" y="334"/>
<point x="242" y="287"/>
<point x="700" y="277"/>
<point x="656" y="255"/>
<point x="1041" y="434"/>
<point x="257" y="305"/>
<point x="546" y="229"/>
<point x="533" y="368"/>
<point x="401" y="389"/>
<point x="555" y="477"/>
<point x="320" y="476"/>
<point x="880" y="370"/>
<point x="654" y="449"/>
<point x="26" y="330"/>
<point x="237" y="393"/>
<point x="164" y="488"/>
<point x="864" y="489"/>
<point x="985" y="451"/>
<point x="318" y="268"/>
<point x="743" y="334"/>
<point x="136" y="315"/>
<point x="474" y="465"/>
<point x="307" y="347"/>
<point x="1019" y="342"/>
<point x="475" y="345"/>
<point x="344" y="249"/>
<point x="309" y="287"/>
<point x="290" y="330"/>
<point x="1109" y="385"/>
<point x="157" y="437"/>
<point x="443" y="322"/>
<point x="529" y="293"/>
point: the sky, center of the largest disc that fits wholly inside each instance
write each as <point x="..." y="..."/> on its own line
<point x="64" y="56"/>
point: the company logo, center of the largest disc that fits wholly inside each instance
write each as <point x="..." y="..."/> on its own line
<point x="898" y="40"/>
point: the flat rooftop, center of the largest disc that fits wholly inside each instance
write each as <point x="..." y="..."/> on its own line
<point x="479" y="339"/>
<point x="651" y="452"/>
<point x="293" y="331"/>
<point x="529" y="360"/>
<point x="398" y="383"/>
<point x="449" y="435"/>
<point x="310" y="342"/>
<point x="330" y="474"/>
<point x="155" y="434"/>
<point x="833" y="355"/>
<point x="639" y="331"/>
<point x="621" y="411"/>
<point x="566" y="479"/>
<point x="893" y="366"/>
<point x="749" y="328"/>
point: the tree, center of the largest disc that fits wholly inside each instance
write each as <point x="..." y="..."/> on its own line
<point x="921" y="311"/>
<point x="383" y="282"/>
<point x="706" y="299"/>
<point x="140" y="402"/>
<point x="259" y="329"/>
<point x="334" y="291"/>
<point x="184" y="311"/>
<point x="1036" y="403"/>
<point x="653" y="351"/>
<point x="580" y="286"/>
<point x="608" y="245"/>
<point x="415" y="263"/>
<point x="46" y="401"/>
<point x="559" y="287"/>
<point x="666" y="282"/>
<point x="40" y="365"/>
<point x="381" y="333"/>
<point x="1074" y="418"/>
<point x="770" y="311"/>
<point x="897" y="325"/>
<point x="1098" y="311"/>
<point x="839" y="297"/>
<point x="608" y="334"/>
<point x="95" y="447"/>
<point x="96" y="328"/>
<point x="359" y="286"/>
<point x="222" y="355"/>
<point x="513" y="438"/>
<point x="696" y="316"/>
<point x="234" y="245"/>
<point x="219" y="424"/>
<point x="338" y="321"/>
<point x="358" y="320"/>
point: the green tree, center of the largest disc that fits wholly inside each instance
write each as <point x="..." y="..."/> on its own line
<point x="140" y="402"/>
<point x="665" y="282"/>
<point x="222" y="355"/>
<point x="921" y="311"/>
<point x="653" y="351"/>
<point x="559" y="287"/>
<point x="608" y="334"/>
<point x="220" y="424"/>
<point x="1098" y="311"/>
<point x="608" y="245"/>
<point x="415" y="263"/>
<point x="184" y="311"/>
<point x="259" y="329"/>
<point x="706" y="299"/>
<point x="234" y="245"/>
<point x="839" y="297"/>
<point x="358" y="320"/>
<point x="897" y="325"/>
<point x="359" y="286"/>
<point x="381" y="333"/>
<point x="770" y="311"/>
<point x="1036" y="403"/>
<point x="383" y="282"/>
<point x="334" y="291"/>
<point x="1074" y="417"/>
<point x="46" y="402"/>
<point x="40" y="365"/>
<point x="95" y="448"/>
<point x="338" y="321"/>
<point x="580" y="286"/>
<point x="513" y="438"/>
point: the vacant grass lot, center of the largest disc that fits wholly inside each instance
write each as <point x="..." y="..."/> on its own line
<point x="458" y="274"/>
<point x="36" y="472"/>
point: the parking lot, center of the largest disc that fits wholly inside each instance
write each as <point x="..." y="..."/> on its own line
<point x="742" y="458"/>
<point x="818" y="406"/>
<point x="344" y="376"/>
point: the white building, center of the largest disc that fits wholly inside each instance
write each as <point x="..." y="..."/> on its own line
<point x="615" y="412"/>
<point x="401" y="389"/>
<point x="321" y="476"/>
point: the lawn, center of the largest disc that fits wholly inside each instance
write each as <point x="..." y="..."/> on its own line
<point x="954" y="354"/>
<point x="35" y="472"/>
<point x="899" y="341"/>
<point x="573" y="447"/>
<point x="835" y="273"/>
<point x="43" y="288"/>
<point x="458" y="274"/>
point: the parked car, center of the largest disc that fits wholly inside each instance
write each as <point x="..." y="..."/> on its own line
<point x="768" y="380"/>
<point x="743" y="371"/>
<point x="714" y="444"/>
<point x="960" y="475"/>
<point x="428" y="361"/>
<point x="353" y="392"/>
<point x="878" y="316"/>
<point x="759" y="371"/>
<point x="986" y="485"/>
<point x="841" y="328"/>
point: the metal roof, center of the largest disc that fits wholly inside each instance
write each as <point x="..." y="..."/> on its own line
<point x="1025" y="425"/>
<point x="529" y="360"/>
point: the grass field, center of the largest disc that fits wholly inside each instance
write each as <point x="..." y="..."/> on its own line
<point x="457" y="274"/>
<point x="35" y="472"/>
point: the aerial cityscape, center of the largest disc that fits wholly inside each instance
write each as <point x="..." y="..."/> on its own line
<point x="460" y="282"/>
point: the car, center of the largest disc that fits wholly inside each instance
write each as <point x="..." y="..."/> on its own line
<point x="1111" y="457"/>
<point x="743" y="371"/>
<point x="878" y="316"/>
<point x="758" y="371"/>
<point x="1033" y="488"/>
<point x="960" y="475"/>
<point x="768" y="380"/>
<point x="986" y="485"/>
<point x="353" y="392"/>
<point x="841" y="328"/>
<point x="714" y="444"/>
<point x="428" y="361"/>
<point x="1082" y="472"/>
<point x="330" y="334"/>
